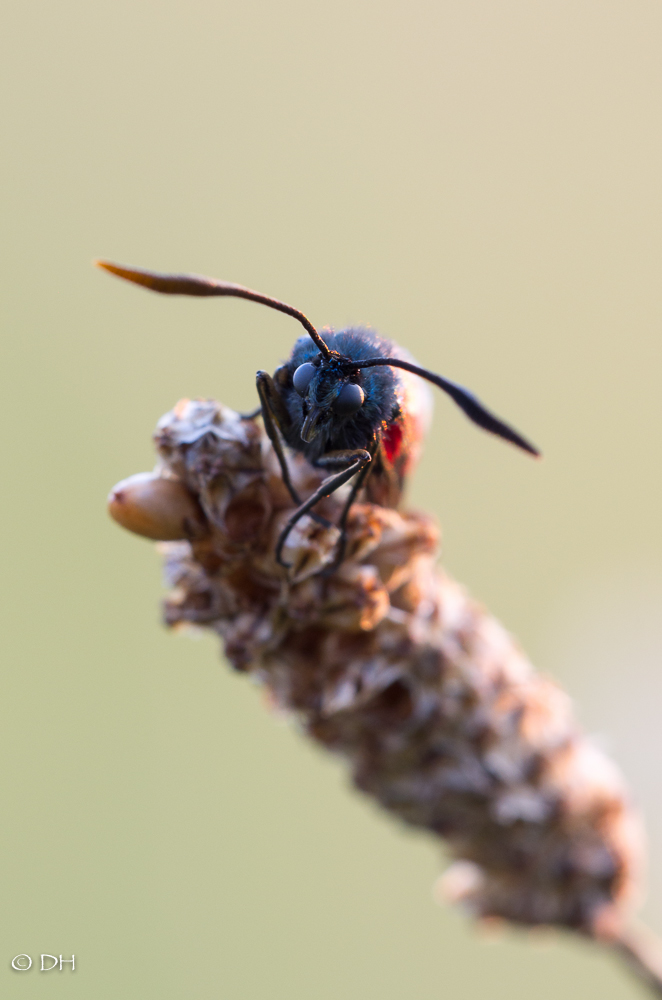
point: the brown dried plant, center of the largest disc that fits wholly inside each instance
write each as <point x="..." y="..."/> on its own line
<point x="390" y="664"/>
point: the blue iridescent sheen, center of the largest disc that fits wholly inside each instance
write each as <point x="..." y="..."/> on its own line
<point x="380" y="386"/>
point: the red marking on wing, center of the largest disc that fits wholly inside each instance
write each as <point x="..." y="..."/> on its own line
<point x="392" y="441"/>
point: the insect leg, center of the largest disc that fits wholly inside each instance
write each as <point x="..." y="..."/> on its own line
<point x="275" y="414"/>
<point x="358" y="460"/>
<point x="252" y="415"/>
<point x="357" y="485"/>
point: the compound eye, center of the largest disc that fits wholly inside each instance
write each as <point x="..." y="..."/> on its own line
<point x="349" y="400"/>
<point x="302" y="377"/>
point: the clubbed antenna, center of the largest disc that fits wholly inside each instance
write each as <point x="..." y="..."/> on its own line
<point x="468" y="403"/>
<point x="197" y="284"/>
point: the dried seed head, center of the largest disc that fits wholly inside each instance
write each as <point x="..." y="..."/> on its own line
<point x="157" y="508"/>
<point x="389" y="662"/>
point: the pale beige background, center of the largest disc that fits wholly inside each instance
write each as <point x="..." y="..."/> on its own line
<point x="479" y="179"/>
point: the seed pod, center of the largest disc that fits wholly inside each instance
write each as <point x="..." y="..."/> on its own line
<point x="157" y="508"/>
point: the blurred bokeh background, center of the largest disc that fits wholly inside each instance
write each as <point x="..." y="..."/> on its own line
<point x="480" y="181"/>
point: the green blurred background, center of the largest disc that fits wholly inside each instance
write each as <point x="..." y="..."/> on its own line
<point x="480" y="181"/>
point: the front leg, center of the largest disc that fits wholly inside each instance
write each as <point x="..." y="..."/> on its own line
<point x="358" y="460"/>
<point x="257" y="412"/>
<point x="275" y="415"/>
<point x="357" y="485"/>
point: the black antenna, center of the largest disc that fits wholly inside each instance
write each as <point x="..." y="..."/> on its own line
<point x="196" y="284"/>
<point x="466" y="400"/>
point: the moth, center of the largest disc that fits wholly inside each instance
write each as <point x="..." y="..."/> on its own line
<point x="343" y="400"/>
